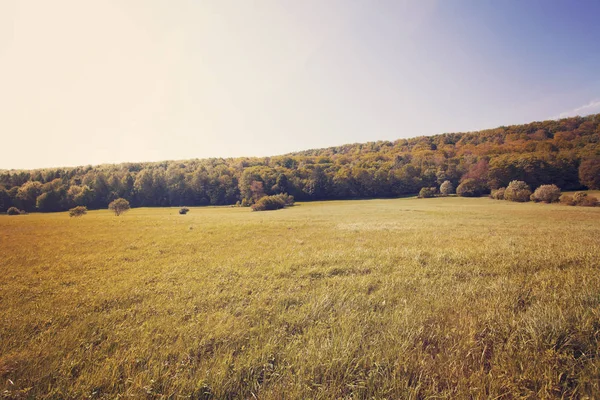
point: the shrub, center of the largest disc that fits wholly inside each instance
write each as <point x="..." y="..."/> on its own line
<point x="427" y="192"/>
<point x="469" y="188"/>
<point x="77" y="211"/>
<point x="517" y="191"/>
<point x="546" y="194"/>
<point x="287" y="199"/>
<point x="446" y="188"/>
<point x="585" y="200"/>
<point x="589" y="201"/>
<point x="13" y="211"/>
<point x="579" y="197"/>
<point x="183" y="210"/>
<point x="273" y="202"/>
<point x="498" y="194"/>
<point x="566" y="200"/>
<point x="119" y="206"/>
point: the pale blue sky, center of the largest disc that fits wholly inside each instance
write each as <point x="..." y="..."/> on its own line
<point x="89" y="82"/>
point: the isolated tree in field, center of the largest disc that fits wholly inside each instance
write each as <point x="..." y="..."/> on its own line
<point x="119" y="206"/>
<point x="589" y="173"/>
<point x="517" y="191"/>
<point x="546" y="194"/>
<point x="77" y="211"/>
<point x="446" y="188"/>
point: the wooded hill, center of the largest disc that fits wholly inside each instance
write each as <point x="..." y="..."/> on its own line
<point x="564" y="152"/>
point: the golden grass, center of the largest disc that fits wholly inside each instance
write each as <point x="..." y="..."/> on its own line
<point x="406" y="298"/>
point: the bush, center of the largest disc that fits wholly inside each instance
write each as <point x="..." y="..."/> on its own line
<point x="287" y="199"/>
<point x="183" y="210"/>
<point x="446" y="188"/>
<point x="585" y="200"/>
<point x="546" y="194"/>
<point x="517" y="191"/>
<point x="589" y="201"/>
<point x="119" y="206"/>
<point x="427" y="192"/>
<point x="276" y="202"/>
<point x="579" y="197"/>
<point x="14" y="211"/>
<point x="498" y="194"/>
<point x="567" y="200"/>
<point x="469" y="188"/>
<point x="77" y="211"/>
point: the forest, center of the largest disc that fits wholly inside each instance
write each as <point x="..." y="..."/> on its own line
<point x="563" y="152"/>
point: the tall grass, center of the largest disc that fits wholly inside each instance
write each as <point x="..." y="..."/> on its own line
<point x="430" y="298"/>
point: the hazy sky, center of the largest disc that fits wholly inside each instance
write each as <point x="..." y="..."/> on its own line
<point x="89" y="82"/>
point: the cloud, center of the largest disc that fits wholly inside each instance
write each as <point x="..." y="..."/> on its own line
<point x="590" y="108"/>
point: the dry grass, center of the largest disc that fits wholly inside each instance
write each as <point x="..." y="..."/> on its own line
<point x="432" y="298"/>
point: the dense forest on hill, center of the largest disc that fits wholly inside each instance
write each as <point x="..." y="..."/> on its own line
<point x="564" y="152"/>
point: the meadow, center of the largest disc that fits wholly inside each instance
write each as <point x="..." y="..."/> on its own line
<point x="371" y="299"/>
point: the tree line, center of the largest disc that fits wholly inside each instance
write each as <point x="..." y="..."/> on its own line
<point x="563" y="152"/>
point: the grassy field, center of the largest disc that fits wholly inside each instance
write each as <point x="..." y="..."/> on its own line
<point x="406" y="298"/>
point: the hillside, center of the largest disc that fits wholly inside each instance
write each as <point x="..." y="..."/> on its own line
<point x="565" y="152"/>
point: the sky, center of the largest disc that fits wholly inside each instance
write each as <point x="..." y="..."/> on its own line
<point x="92" y="82"/>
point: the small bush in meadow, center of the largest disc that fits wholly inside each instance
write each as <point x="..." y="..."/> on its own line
<point x="590" y="201"/>
<point x="517" y="191"/>
<point x="427" y="192"/>
<point x="579" y="199"/>
<point x="546" y="194"/>
<point x="77" y="211"/>
<point x="119" y="206"/>
<point x="447" y="188"/>
<point x="498" y="194"/>
<point x="183" y="210"/>
<point x="13" y="211"/>
<point x="567" y="200"/>
<point x="288" y="200"/>
<point x="584" y="199"/>
<point x="275" y="202"/>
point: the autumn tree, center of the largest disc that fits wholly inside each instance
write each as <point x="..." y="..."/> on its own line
<point x="119" y="206"/>
<point x="589" y="173"/>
